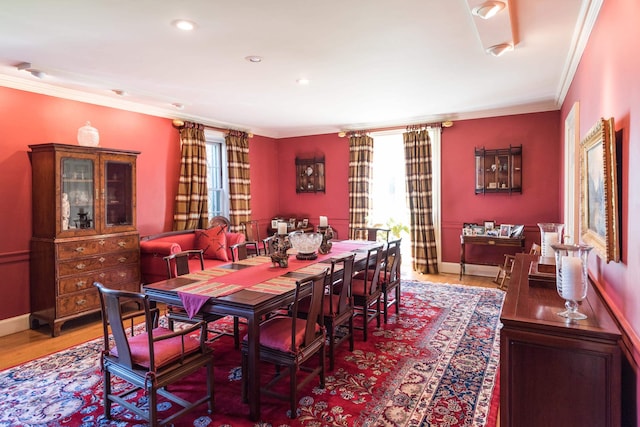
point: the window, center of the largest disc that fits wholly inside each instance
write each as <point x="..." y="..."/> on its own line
<point x="217" y="176"/>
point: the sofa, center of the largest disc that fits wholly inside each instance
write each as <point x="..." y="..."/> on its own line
<point x="217" y="244"/>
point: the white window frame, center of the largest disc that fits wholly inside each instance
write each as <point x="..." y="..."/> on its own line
<point x="216" y="138"/>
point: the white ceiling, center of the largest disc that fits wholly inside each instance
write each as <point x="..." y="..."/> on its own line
<point x="371" y="63"/>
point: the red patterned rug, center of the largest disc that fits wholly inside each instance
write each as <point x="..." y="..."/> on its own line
<point x="434" y="365"/>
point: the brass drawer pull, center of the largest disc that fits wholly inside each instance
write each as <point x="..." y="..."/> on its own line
<point x="122" y="244"/>
<point x="101" y="260"/>
<point x="81" y="302"/>
<point x="102" y="275"/>
<point x="101" y="242"/>
<point x="80" y="249"/>
<point x="122" y="259"/>
<point x="80" y="284"/>
<point x="81" y="266"/>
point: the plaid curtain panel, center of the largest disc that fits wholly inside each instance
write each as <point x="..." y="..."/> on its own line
<point x="417" y="149"/>
<point x="239" y="179"/>
<point x="191" y="205"/>
<point x="360" y="177"/>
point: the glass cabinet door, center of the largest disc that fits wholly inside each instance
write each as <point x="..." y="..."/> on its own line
<point x="78" y="199"/>
<point x="118" y="194"/>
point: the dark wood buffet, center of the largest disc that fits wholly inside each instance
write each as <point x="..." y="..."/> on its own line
<point x="556" y="372"/>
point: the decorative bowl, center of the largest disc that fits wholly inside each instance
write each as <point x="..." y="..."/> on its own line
<point x="305" y="244"/>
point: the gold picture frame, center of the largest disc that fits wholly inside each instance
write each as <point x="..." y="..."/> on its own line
<point x="599" y="191"/>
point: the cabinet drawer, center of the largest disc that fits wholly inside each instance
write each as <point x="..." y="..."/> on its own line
<point x="98" y="262"/>
<point x="101" y="245"/>
<point x="77" y="303"/>
<point x="111" y="278"/>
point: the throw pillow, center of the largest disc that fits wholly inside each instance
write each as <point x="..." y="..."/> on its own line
<point x="213" y="242"/>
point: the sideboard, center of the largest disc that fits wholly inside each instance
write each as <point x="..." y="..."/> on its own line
<point x="556" y="372"/>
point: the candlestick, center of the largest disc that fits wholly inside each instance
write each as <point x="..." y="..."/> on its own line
<point x="571" y="278"/>
<point x="282" y="228"/>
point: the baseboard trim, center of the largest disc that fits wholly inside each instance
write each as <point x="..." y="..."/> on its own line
<point x="14" y="324"/>
<point x="472" y="269"/>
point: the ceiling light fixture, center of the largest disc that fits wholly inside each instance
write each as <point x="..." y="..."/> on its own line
<point x="178" y="106"/>
<point x="488" y="9"/>
<point x="253" y="58"/>
<point x="26" y="66"/>
<point x="119" y="92"/>
<point x="500" y="49"/>
<point x="184" y="24"/>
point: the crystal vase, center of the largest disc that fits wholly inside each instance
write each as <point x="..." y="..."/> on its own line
<point x="571" y="277"/>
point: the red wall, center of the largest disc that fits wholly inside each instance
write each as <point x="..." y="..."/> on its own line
<point x="606" y="85"/>
<point x="539" y="201"/>
<point x="27" y="118"/>
<point x="334" y="203"/>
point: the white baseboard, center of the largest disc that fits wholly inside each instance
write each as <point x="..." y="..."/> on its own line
<point x="14" y="324"/>
<point x="471" y="269"/>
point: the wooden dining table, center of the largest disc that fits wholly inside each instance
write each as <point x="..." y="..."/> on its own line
<point x="250" y="289"/>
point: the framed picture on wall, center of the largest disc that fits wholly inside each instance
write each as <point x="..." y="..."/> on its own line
<point x="599" y="191"/>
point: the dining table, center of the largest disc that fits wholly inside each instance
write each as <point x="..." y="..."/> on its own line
<point x="250" y="288"/>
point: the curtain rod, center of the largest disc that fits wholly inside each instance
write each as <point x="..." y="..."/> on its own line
<point x="444" y="124"/>
<point x="179" y="124"/>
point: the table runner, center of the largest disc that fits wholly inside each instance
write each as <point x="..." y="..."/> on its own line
<point x="261" y="277"/>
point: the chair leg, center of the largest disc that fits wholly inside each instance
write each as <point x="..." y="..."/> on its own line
<point x="293" y="390"/>
<point x="351" y="338"/>
<point x="245" y="382"/>
<point x="385" y="306"/>
<point x="378" y="312"/>
<point x="152" y="395"/>
<point x="331" y="344"/>
<point x="106" y="381"/>
<point x="210" y="387"/>
<point x="398" y="300"/>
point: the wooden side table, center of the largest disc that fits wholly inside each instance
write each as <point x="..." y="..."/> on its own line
<point x="556" y="372"/>
<point x="487" y="241"/>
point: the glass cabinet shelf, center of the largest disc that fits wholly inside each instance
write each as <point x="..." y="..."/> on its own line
<point x="498" y="170"/>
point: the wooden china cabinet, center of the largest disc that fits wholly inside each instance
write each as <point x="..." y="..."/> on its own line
<point x="84" y="229"/>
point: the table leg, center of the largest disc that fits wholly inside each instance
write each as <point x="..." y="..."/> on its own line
<point x="462" y="260"/>
<point x="253" y="331"/>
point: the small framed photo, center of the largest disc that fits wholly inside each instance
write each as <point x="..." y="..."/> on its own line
<point x="274" y="224"/>
<point x="305" y="222"/>
<point x="489" y="225"/>
<point x="505" y="230"/>
<point x="517" y="230"/>
<point x="478" y="230"/>
<point x="292" y="223"/>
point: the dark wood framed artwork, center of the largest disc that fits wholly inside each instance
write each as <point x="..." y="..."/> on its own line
<point x="599" y="225"/>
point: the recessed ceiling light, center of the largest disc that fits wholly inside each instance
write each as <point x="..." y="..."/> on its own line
<point x="500" y="49"/>
<point x="488" y="9"/>
<point x="26" y="66"/>
<point x="253" y="58"/>
<point x="303" y="81"/>
<point x="184" y="24"/>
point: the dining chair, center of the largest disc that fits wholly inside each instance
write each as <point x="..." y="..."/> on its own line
<point x="504" y="271"/>
<point x="179" y="264"/>
<point x="266" y="244"/>
<point x="242" y="250"/>
<point x="149" y="357"/>
<point x="390" y="278"/>
<point x="338" y="304"/>
<point x="365" y="290"/>
<point x="536" y="249"/>
<point x="252" y="234"/>
<point x="291" y="342"/>
<point x="373" y="234"/>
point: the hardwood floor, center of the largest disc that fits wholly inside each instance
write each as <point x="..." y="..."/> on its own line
<point x="31" y="344"/>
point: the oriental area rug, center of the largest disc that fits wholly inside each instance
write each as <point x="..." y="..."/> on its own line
<point x="436" y="364"/>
